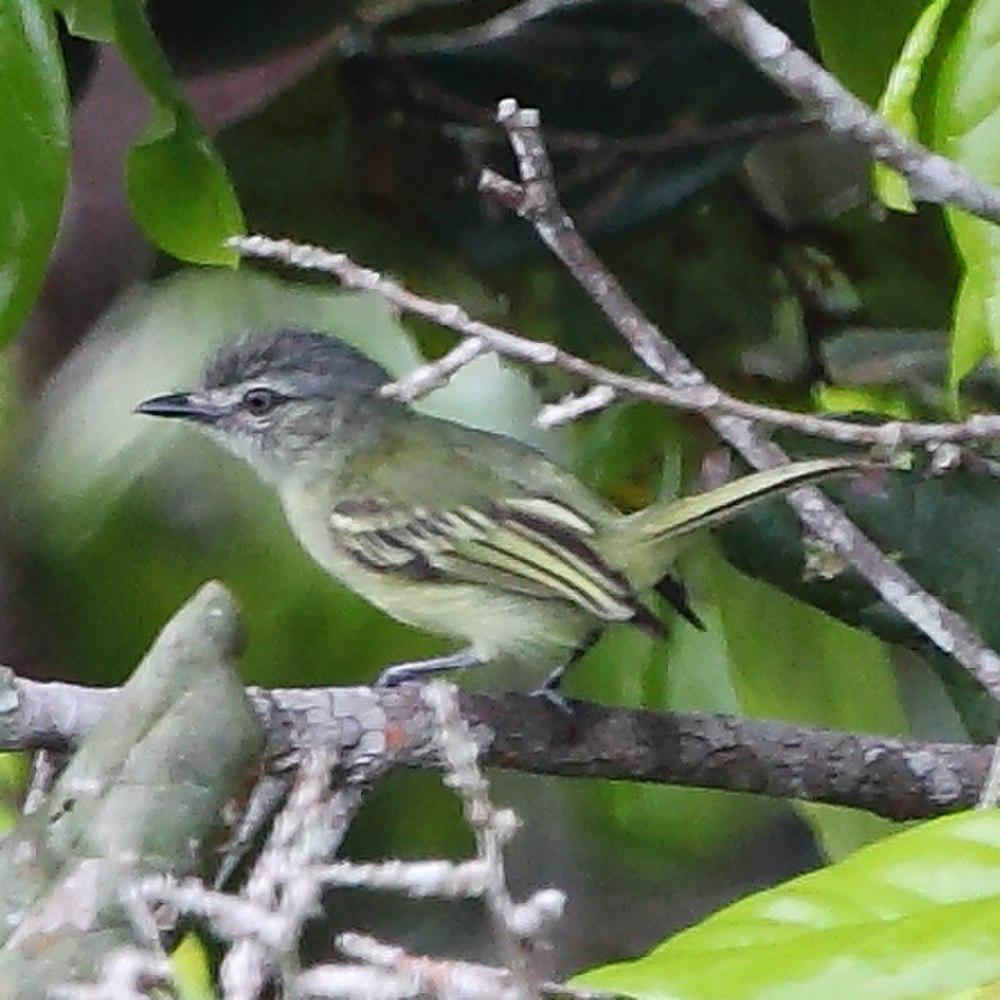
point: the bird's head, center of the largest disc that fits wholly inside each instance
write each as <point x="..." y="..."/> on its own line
<point x="279" y="399"/>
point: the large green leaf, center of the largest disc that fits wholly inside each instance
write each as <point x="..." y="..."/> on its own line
<point x="966" y="127"/>
<point x="623" y="452"/>
<point x="860" y="40"/>
<point x="896" y="104"/>
<point x="34" y="153"/>
<point x="773" y="679"/>
<point x="92" y="19"/>
<point x="741" y="663"/>
<point x="178" y="187"/>
<point x="910" y="917"/>
<point x="942" y="529"/>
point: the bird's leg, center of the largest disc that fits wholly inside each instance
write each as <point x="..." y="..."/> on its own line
<point x="419" y="669"/>
<point x="549" y="689"/>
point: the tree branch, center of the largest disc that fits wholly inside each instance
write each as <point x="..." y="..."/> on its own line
<point x="932" y="177"/>
<point x="901" y="779"/>
<point x="696" y="397"/>
<point x="536" y="199"/>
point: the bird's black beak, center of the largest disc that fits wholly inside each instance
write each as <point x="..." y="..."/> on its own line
<point x="180" y="404"/>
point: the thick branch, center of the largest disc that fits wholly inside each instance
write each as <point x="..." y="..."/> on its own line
<point x="902" y="779"/>
<point x="536" y="199"/>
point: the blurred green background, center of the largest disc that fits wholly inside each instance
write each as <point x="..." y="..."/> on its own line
<point x="759" y="249"/>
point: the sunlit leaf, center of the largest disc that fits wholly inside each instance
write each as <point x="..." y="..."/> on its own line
<point x="191" y="971"/>
<point x="913" y="916"/>
<point x="809" y="670"/>
<point x="178" y="187"/>
<point x="34" y="153"/>
<point x="869" y="399"/>
<point x="966" y="127"/>
<point x="896" y="104"/>
<point x="859" y="40"/>
<point x="91" y="19"/>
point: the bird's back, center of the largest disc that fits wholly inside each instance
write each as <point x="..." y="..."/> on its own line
<point x="438" y="463"/>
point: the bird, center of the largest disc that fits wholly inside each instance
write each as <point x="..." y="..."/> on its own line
<point x="457" y="531"/>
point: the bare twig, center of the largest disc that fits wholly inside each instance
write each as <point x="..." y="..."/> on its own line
<point x="419" y="879"/>
<point x="128" y="973"/>
<point x="901" y="779"/>
<point x="417" y="975"/>
<point x="597" y="397"/>
<point x="308" y="829"/>
<point x="695" y="397"/>
<point x="535" y="199"/>
<point x="437" y="373"/>
<point x="932" y="177"/>
<point x="516" y="925"/>
<point x="505" y="24"/>
<point x="435" y="977"/>
<point x="682" y="138"/>
<point x="989" y="798"/>
<point x="44" y="768"/>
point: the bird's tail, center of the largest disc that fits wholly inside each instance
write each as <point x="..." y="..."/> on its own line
<point x="652" y="536"/>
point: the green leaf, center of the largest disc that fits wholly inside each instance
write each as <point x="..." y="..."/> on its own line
<point x="177" y="185"/>
<point x="773" y="678"/>
<point x="625" y="452"/>
<point x="912" y="916"/>
<point x="859" y="40"/>
<point x="943" y="530"/>
<point x="966" y="128"/>
<point x="34" y="153"/>
<point x="887" y="400"/>
<point x="897" y="100"/>
<point x="191" y="970"/>
<point x="92" y="19"/>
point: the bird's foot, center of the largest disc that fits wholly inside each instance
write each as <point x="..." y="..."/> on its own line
<point x="558" y="701"/>
<point x="420" y="670"/>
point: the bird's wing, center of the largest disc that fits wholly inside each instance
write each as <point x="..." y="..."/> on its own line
<point x="533" y="545"/>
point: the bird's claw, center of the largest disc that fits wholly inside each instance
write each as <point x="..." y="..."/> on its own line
<point x="394" y="676"/>
<point x="555" y="699"/>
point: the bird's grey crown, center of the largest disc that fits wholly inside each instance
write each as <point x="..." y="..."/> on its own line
<point x="321" y="363"/>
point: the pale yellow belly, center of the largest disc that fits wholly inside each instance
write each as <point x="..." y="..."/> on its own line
<point x="498" y="625"/>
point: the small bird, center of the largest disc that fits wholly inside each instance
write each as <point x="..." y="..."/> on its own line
<point x="457" y="531"/>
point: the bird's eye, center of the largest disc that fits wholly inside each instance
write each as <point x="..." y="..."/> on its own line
<point x="259" y="401"/>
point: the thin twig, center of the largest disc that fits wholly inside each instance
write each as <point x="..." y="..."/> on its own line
<point x="448" y="979"/>
<point x="44" y="768"/>
<point x="932" y="177"/>
<point x="309" y="829"/>
<point x="597" y="397"/>
<point x="437" y="373"/>
<point x="492" y="829"/>
<point x="419" y="879"/>
<point x="536" y="200"/>
<point x="989" y="798"/>
<point x="681" y="139"/>
<point x="695" y="397"/>
<point x="503" y="25"/>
